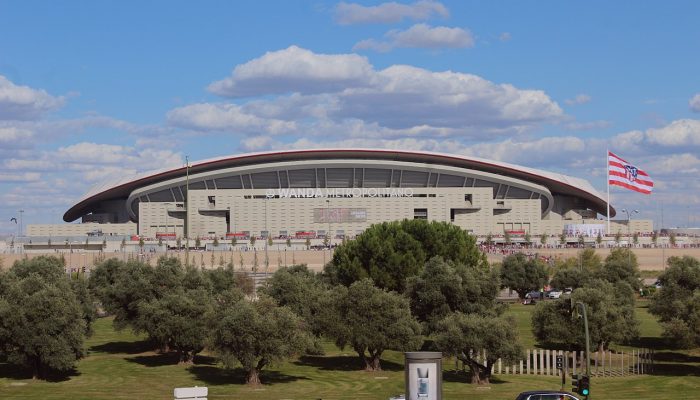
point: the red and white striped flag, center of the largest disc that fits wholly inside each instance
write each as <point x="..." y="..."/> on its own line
<point x="622" y="173"/>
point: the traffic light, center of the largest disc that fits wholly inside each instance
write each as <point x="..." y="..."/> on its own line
<point x="575" y="383"/>
<point x="584" y="385"/>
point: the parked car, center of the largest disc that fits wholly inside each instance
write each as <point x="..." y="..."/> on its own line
<point x="546" y="395"/>
<point x="554" y="294"/>
<point x="532" y="298"/>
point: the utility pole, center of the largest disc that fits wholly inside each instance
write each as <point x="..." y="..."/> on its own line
<point x="267" y="240"/>
<point x="629" y="236"/>
<point x="21" y="231"/>
<point x="588" y="340"/>
<point x="328" y="215"/>
<point x="187" y="211"/>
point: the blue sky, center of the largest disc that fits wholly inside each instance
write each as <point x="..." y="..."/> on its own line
<point x="95" y="90"/>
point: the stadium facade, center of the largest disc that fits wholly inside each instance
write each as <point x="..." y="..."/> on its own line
<point x="339" y="193"/>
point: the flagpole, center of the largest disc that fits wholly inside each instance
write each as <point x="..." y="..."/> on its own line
<point x="607" y="182"/>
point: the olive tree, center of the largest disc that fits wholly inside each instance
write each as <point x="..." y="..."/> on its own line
<point x="302" y="291"/>
<point x="255" y="334"/>
<point x="179" y="319"/>
<point x="466" y="336"/>
<point x="677" y="303"/>
<point x="443" y="288"/>
<point x="42" y="322"/>
<point x="611" y="317"/>
<point x="371" y="320"/>
<point x="523" y="274"/>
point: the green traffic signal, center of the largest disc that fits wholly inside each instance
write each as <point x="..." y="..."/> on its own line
<point x="585" y="385"/>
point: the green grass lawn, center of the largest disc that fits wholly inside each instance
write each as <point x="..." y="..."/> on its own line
<point x="120" y="365"/>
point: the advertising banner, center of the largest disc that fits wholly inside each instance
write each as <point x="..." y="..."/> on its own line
<point x="423" y="375"/>
<point x="337" y="215"/>
<point x="584" y="229"/>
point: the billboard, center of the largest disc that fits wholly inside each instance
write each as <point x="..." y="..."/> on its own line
<point x="337" y="215"/>
<point x="591" y="230"/>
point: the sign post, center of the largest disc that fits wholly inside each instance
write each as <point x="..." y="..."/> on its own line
<point x="560" y="367"/>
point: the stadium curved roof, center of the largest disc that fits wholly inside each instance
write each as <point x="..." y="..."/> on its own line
<point x="556" y="183"/>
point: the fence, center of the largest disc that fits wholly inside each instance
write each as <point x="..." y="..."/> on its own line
<point x="605" y="363"/>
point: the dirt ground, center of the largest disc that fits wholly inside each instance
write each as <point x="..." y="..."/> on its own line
<point x="649" y="259"/>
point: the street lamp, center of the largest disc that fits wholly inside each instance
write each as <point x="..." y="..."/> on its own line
<point x="328" y="215"/>
<point x="186" y="225"/>
<point x="21" y="230"/>
<point x="629" y="238"/>
<point x="166" y="226"/>
<point x="624" y="210"/>
<point x="267" y="239"/>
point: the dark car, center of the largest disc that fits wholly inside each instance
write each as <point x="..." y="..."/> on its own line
<point x="532" y="298"/>
<point x="546" y="395"/>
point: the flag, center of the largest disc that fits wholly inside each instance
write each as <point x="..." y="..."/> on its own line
<point x="622" y="173"/>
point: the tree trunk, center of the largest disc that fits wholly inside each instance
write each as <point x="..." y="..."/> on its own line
<point x="185" y="357"/>
<point x="486" y="373"/>
<point x="36" y="368"/>
<point x="480" y="373"/>
<point x="372" y="363"/>
<point x="253" y="377"/>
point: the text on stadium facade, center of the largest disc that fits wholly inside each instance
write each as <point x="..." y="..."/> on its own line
<point x="339" y="192"/>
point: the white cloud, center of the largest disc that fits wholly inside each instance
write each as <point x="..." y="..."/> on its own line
<point x="587" y="126"/>
<point x="14" y="137"/>
<point x="19" y="177"/>
<point x="683" y="132"/>
<point x="694" y="103"/>
<point x="385" y="13"/>
<point x="542" y="151"/>
<point x="294" y="70"/>
<point x="87" y="156"/>
<point x="399" y="100"/>
<point x="420" y="36"/>
<point x="505" y="36"/>
<point x="537" y="152"/>
<point x="374" y="45"/>
<point x="225" y="117"/>
<point x="90" y="153"/>
<point x="631" y="141"/>
<point x="683" y="163"/>
<point x="579" y="99"/>
<point x="19" y="164"/>
<point x="25" y="103"/>
<point x="407" y="96"/>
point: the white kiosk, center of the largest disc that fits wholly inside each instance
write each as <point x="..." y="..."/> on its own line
<point x="423" y="372"/>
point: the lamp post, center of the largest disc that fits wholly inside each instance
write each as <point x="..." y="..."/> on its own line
<point x="267" y="239"/>
<point x="582" y="306"/>
<point x="629" y="213"/>
<point x="328" y="215"/>
<point x="186" y="227"/>
<point x="21" y="233"/>
<point x="166" y="226"/>
<point x="629" y="236"/>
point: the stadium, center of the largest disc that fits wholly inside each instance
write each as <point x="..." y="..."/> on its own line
<point x="338" y="193"/>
